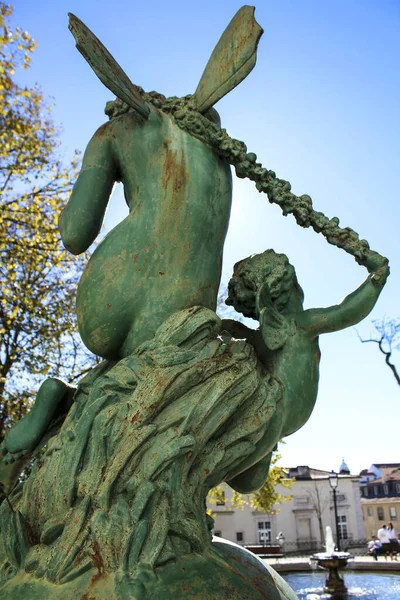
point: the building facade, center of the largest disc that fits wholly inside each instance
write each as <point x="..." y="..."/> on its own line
<point x="380" y="496"/>
<point x="302" y="519"/>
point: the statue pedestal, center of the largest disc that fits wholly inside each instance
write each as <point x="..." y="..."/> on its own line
<point x="226" y="571"/>
<point x="115" y="507"/>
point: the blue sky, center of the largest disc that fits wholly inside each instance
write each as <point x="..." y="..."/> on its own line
<point x="321" y="108"/>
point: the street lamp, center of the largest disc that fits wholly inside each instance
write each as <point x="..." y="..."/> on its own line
<point x="333" y="482"/>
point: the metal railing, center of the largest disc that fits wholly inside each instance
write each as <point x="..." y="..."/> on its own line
<point x="307" y="548"/>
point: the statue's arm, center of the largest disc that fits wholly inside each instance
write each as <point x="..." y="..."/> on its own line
<point x="81" y="219"/>
<point x="355" y="307"/>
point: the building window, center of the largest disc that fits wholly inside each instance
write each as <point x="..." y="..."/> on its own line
<point x="218" y="533"/>
<point x="375" y="490"/>
<point x="342" y="523"/>
<point x="386" y="489"/>
<point x="393" y="513"/>
<point x="398" y="488"/>
<point x="366" y="492"/>
<point x="301" y="499"/>
<point x="239" y="536"/>
<point x="369" y="511"/>
<point x="381" y="513"/>
<point x="221" y="499"/>
<point x="264" y="532"/>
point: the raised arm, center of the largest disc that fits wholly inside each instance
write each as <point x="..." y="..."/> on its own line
<point x="81" y="219"/>
<point x="355" y="307"/>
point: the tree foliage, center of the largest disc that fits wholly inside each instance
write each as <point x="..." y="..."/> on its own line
<point x="388" y="339"/>
<point x="38" y="277"/>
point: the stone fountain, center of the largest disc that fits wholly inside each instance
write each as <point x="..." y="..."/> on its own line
<point x="332" y="561"/>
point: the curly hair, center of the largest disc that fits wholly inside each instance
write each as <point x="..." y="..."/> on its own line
<point x="250" y="274"/>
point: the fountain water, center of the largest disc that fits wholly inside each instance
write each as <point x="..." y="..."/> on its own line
<point x="332" y="561"/>
<point x="329" y="544"/>
<point x="360" y="585"/>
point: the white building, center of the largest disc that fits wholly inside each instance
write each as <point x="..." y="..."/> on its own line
<point x="302" y="519"/>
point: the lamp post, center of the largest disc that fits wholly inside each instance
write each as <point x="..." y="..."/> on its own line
<point x="333" y="482"/>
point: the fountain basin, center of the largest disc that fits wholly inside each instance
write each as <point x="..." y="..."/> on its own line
<point x="336" y="559"/>
<point x="365" y="585"/>
<point x="332" y="562"/>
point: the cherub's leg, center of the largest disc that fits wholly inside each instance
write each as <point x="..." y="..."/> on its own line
<point x="53" y="398"/>
<point x="252" y="479"/>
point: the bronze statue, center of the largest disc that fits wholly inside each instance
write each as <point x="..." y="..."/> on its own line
<point x="114" y="506"/>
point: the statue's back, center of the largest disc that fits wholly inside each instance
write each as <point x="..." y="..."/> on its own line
<point x="167" y="254"/>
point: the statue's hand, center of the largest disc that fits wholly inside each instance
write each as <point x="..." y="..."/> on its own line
<point x="380" y="275"/>
<point x="375" y="262"/>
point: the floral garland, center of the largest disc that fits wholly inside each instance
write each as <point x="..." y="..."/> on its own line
<point x="245" y="163"/>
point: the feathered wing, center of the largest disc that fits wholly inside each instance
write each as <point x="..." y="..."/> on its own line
<point x="231" y="61"/>
<point x="106" y="67"/>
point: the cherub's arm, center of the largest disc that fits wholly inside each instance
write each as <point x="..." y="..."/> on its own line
<point x="355" y="307"/>
<point x="81" y="219"/>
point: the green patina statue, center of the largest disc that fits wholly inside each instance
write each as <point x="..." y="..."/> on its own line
<point x="115" y="504"/>
<point x="167" y="254"/>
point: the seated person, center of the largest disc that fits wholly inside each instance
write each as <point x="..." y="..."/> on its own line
<point x="374" y="547"/>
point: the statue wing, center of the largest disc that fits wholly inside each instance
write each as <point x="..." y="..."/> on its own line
<point x="274" y="328"/>
<point x="231" y="61"/>
<point x="106" y="67"/>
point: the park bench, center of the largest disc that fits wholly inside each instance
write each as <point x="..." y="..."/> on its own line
<point x="266" y="551"/>
<point x="386" y="550"/>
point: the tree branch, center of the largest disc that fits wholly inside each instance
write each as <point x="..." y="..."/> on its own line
<point x="387" y="361"/>
<point x="386" y="353"/>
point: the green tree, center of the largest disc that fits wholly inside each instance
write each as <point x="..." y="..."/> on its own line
<point x="38" y="334"/>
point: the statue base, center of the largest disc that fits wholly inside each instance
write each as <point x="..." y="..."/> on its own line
<point x="114" y="507"/>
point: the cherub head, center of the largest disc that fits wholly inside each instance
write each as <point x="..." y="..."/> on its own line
<point x="264" y="280"/>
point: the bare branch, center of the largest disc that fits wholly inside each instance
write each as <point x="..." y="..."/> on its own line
<point x="389" y="332"/>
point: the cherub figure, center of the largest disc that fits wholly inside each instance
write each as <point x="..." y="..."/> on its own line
<point x="264" y="287"/>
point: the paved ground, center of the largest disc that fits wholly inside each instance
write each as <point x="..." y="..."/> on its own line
<point x="359" y="563"/>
